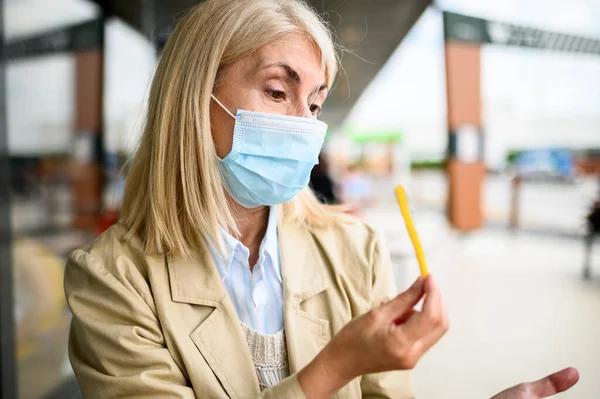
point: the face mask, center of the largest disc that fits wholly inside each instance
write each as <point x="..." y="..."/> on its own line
<point x="271" y="157"/>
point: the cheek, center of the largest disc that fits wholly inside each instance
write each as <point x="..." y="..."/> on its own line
<point x="222" y="132"/>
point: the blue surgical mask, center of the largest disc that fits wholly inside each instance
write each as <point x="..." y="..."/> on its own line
<point x="271" y="157"/>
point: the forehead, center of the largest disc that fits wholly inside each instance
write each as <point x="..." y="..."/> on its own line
<point x="295" y="50"/>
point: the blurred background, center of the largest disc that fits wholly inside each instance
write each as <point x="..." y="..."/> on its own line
<point x="487" y="112"/>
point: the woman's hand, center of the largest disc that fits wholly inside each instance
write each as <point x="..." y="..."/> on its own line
<point x="392" y="336"/>
<point x="547" y="386"/>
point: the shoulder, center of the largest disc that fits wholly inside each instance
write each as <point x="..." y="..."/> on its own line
<point x="350" y="236"/>
<point x="112" y="246"/>
<point x="352" y="253"/>
<point x="114" y="259"/>
<point x="114" y="237"/>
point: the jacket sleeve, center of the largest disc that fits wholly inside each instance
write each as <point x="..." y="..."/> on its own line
<point x="393" y="384"/>
<point x="288" y="388"/>
<point x="116" y="346"/>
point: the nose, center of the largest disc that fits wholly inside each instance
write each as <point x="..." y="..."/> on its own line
<point x="307" y="113"/>
<point x="301" y="109"/>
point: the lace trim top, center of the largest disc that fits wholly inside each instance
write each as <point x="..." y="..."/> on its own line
<point x="269" y="355"/>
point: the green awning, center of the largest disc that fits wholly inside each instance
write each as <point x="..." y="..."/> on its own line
<point x="363" y="136"/>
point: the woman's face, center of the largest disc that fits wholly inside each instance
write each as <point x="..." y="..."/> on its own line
<point x="283" y="77"/>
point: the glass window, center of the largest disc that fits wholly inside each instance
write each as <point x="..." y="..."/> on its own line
<point x="43" y="132"/>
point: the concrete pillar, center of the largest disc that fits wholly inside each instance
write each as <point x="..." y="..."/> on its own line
<point x="87" y="169"/>
<point x="465" y="164"/>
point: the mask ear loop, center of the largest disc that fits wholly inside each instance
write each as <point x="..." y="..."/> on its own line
<point x="222" y="106"/>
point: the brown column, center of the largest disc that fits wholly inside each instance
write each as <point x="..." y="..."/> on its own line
<point x="465" y="176"/>
<point x="86" y="169"/>
<point x="513" y="220"/>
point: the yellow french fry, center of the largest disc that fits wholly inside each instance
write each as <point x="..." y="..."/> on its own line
<point x="412" y="232"/>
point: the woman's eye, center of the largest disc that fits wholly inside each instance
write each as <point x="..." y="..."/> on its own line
<point x="315" y="109"/>
<point x="276" y="94"/>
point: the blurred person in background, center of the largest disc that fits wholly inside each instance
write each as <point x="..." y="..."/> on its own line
<point x="593" y="232"/>
<point x="322" y="184"/>
<point x="225" y="277"/>
<point x="356" y="190"/>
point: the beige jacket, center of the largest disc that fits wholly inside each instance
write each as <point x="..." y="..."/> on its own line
<point x="160" y="327"/>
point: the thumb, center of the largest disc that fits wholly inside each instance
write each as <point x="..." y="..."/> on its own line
<point x="405" y="301"/>
<point x="554" y="383"/>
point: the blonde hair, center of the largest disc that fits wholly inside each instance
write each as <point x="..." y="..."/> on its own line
<point x="174" y="195"/>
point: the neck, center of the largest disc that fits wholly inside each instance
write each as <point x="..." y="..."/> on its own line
<point x="252" y="224"/>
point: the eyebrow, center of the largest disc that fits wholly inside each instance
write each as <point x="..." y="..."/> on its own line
<point x="293" y="75"/>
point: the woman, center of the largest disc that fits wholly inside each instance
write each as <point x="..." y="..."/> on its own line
<point x="225" y="277"/>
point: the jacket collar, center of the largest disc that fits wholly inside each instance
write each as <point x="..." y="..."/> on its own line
<point x="197" y="281"/>
<point x="304" y="276"/>
<point x="304" y="273"/>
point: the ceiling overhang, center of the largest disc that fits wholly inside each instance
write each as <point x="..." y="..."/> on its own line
<point x="369" y="30"/>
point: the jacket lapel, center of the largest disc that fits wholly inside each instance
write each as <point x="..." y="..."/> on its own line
<point x="219" y="337"/>
<point x="304" y="276"/>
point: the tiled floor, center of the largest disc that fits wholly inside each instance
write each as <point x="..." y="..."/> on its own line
<point x="518" y="309"/>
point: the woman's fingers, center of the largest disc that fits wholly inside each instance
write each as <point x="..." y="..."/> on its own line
<point x="547" y="386"/>
<point x="433" y="304"/>
<point x="414" y="332"/>
<point x="404" y="302"/>
<point x="554" y="383"/>
<point x="432" y="319"/>
<point x="402" y="319"/>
